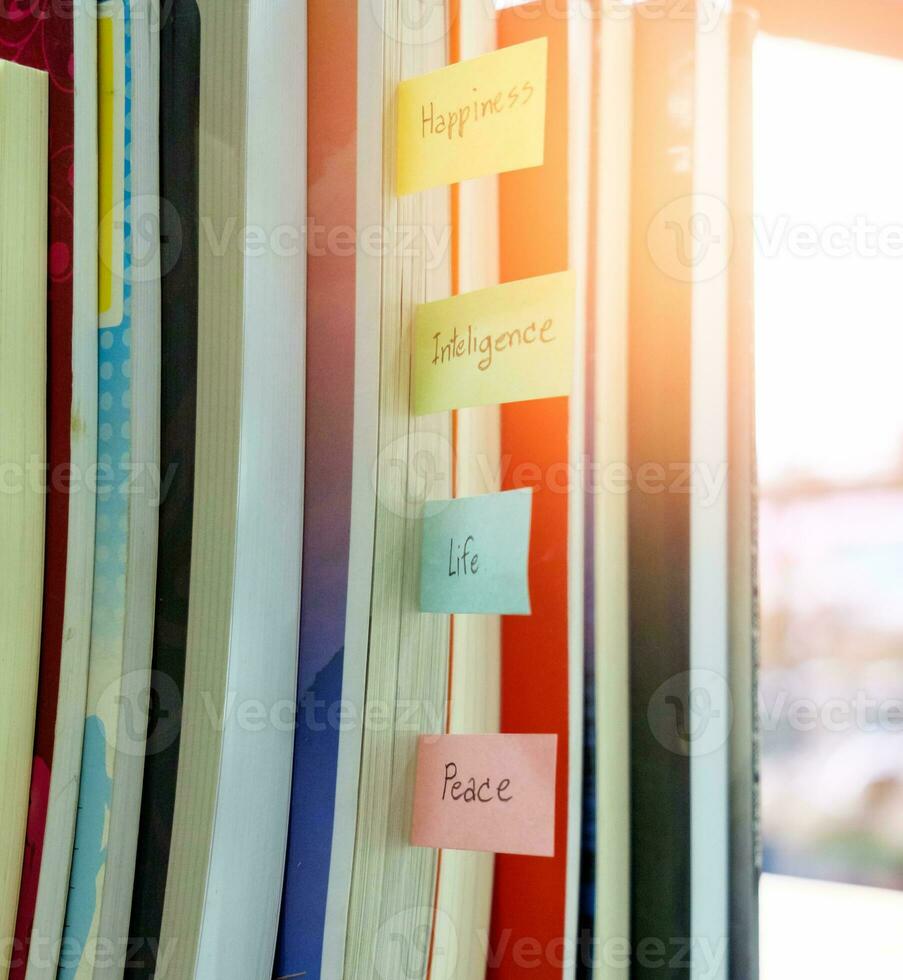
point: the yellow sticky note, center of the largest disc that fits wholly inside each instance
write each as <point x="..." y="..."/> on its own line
<point x="509" y="343"/>
<point x="477" y="117"/>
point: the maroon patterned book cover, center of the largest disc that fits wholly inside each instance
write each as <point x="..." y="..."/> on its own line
<point x="38" y="33"/>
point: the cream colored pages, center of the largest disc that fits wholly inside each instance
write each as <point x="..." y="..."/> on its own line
<point x="220" y="342"/>
<point x="140" y="585"/>
<point x="464" y="893"/>
<point x="125" y="543"/>
<point x="612" y="228"/>
<point x="393" y="884"/>
<point x="224" y="882"/>
<point x="23" y="386"/>
<point x="53" y="886"/>
<point x="580" y="73"/>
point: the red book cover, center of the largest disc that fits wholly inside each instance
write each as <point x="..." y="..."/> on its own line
<point x="39" y="34"/>
<point x="528" y="933"/>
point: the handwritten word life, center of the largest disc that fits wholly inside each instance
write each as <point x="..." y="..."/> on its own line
<point x="462" y="562"/>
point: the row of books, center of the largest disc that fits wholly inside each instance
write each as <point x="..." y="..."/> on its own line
<point x="215" y="667"/>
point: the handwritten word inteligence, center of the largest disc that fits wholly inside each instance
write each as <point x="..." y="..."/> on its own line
<point x="469" y="344"/>
<point x="453" y="122"/>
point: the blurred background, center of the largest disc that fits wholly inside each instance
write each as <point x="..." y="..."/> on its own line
<point x="828" y="173"/>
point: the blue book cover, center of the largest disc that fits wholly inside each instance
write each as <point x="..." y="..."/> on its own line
<point x="113" y="470"/>
<point x="330" y="689"/>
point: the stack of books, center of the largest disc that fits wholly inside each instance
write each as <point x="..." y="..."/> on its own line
<point x="298" y="386"/>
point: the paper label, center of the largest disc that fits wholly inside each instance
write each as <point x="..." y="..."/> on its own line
<point x="486" y="793"/>
<point x="482" y="116"/>
<point x="507" y="343"/>
<point x="474" y="554"/>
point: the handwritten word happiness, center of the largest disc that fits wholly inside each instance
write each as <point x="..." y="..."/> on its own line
<point x="453" y="122"/>
<point x="481" y="116"/>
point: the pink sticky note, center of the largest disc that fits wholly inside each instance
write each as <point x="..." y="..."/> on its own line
<point x="486" y="793"/>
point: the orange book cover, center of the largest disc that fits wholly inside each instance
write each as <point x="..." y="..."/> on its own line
<point x="529" y="903"/>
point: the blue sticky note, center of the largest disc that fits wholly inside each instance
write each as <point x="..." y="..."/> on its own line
<point x="474" y="554"/>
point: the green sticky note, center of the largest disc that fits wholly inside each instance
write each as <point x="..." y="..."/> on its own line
<point x="474" y="554"/>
